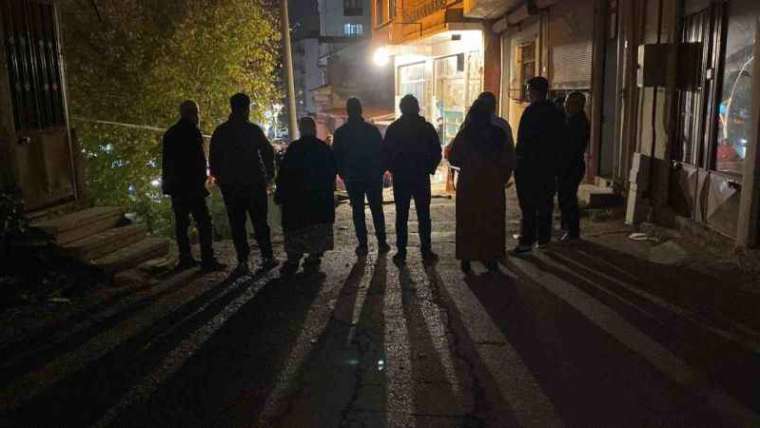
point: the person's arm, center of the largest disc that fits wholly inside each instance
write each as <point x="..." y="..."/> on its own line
<point x="434" y="149"/>
<point x="456" y="151"/>
<point x="283" y="177"/>
<point x="339" y="153"/>
<point x="167" y="165"/>
<point x="267" y="154"/>
<point x="214" y="154"/>
<point x="388" y="148"/>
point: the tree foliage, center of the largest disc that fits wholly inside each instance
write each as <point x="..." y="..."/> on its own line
<point x="134" y="61"/>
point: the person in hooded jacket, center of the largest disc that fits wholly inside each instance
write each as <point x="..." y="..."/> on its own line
<point x="241" y="160"/>
<point x="183" y="177"/>
<point x="412" y="152"/>
<point x="358" y="153"/>
<point x="306" y="193"/>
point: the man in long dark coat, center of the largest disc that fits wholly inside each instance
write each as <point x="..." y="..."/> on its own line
<point x="184" y="179"/>
<point x="306" y="193"/>
<point x="242" y="161"/>
<point x="572" y="165"/>
<point x="541" y="127"/>
<point x="412" y="152"/>
<point x="358" y="154"/>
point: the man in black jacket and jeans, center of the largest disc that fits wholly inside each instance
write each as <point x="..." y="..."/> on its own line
<point x="412" y="152"/>
<point x="358" y="154"/>
<point x="541" y="127"/>
<point x="242" y="162"/>
<point x="184" y="179"/>
<point x="572" y="166"/>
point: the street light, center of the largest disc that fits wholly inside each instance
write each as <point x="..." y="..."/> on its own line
<point x="381" y="57"/>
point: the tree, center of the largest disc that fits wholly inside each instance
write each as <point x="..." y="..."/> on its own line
<point x="134" y="61"/>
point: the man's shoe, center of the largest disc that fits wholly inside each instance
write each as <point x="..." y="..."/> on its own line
<point x="212" y="266"/>
<point x="428" y="256"/>
<point x="313" y="260"/>
<point x="268" y="264"/>
<point x="361" y="250"/>
<point x="492" y="266"/>
<point x="242" y="269"/>
<point x="289" y="268"/>
<point x="568" y="237"/>
<point x="466" y="267"/>
<point x="400" y="258"/>
<point x="521" y="250"/>
<point x="185" y="264"/>
<point x="383" y="248"/>
<point x="542" y="245"/>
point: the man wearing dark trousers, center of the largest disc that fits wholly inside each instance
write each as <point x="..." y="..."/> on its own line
<point x="541" y="127"/>
<point x="242" y="162"/>
<point x="184" y="179"/>
<point x="572" y="165"/>
<point x="412" y="152"/>
<point x="358" y="154"/>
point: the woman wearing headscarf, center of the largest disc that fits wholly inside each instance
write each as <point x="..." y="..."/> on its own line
<point x="485" y="156"/>
<point x="305" y="191"/>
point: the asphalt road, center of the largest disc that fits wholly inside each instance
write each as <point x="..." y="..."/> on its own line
<point x="564" y="337"/>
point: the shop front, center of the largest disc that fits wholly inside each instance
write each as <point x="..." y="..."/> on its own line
<point x="445" y="73"/>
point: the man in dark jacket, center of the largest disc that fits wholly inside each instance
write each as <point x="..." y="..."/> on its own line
<point x="184" y="179"/>
<point x="572" y="165"/>
<point x="242" y="162"/>
<point x="541" y="127"/>
<point x="358" y="154"/>
<point x="412" y="152"/>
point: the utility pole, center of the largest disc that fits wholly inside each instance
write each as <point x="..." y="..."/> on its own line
<point x="288" y="57"/>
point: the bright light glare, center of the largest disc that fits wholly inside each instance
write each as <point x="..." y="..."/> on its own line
<point x="381" y="57"/>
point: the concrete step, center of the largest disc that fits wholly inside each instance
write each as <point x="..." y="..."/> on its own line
<point x="103" y="243"/>
<point x="591" y="196"/>
<point x="132" y="255"/>
<point x="81" y="224"/>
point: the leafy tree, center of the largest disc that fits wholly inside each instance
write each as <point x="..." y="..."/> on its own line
<point x="134" y="61"/>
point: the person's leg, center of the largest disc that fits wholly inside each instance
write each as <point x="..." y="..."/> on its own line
<point x="356" y="192"/>
<point x="236" y="204"/>
<point x="568" y="202"/>
<point x="525" y="196"/>
<point x="402" y="197"/>
<point x="257" y="209"/>
<point x="375" y="199"/>
<point x="181" y="224"/>
<point x="202" y="219"/>
<point x="422" y="199"/>
<point x="545" y="209"/>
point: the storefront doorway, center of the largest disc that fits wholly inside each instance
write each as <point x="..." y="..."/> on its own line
<point x="458" y="82"/>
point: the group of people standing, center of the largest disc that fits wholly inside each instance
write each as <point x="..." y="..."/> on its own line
<point x="548" y="159"/>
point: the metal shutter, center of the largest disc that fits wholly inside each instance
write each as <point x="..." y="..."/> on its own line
<point x="571" y="32"/>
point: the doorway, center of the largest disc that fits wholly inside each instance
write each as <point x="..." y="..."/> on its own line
<point x="609" y="143"/>
<point x="33" y="113"/>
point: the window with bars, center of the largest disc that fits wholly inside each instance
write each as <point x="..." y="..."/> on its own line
<point x="526" y="56"/>
<point x="353" y="30"/>
<point x="352" y="8"/>
<point x="34" y="69"/>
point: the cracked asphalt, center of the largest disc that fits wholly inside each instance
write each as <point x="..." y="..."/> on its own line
<point x="555" y="339"/>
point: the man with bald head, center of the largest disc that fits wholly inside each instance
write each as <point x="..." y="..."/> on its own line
<point x="184" y="179"/>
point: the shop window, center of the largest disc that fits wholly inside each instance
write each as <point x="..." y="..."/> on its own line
<point x="411" y="80"/>
<point x="525" y="68"/>
<point x="353" y="30"/>
<point x="352" y="8"/>
<point x="734" y="110"/>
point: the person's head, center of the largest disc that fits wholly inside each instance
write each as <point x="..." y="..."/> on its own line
<point x="538" y="88"/>
<point x="307" y="127"/>
<point x="354" y="108"/>
<point x="240" y="104"/>
<point x="189" y="110"/>
<point x="575" y="103"/>
<point x="489" y="101"/>
<point x="479" y="114"/>
<point x="409" y="105"/>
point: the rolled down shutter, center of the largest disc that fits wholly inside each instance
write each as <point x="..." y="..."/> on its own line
<point x="571" y="32"/>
